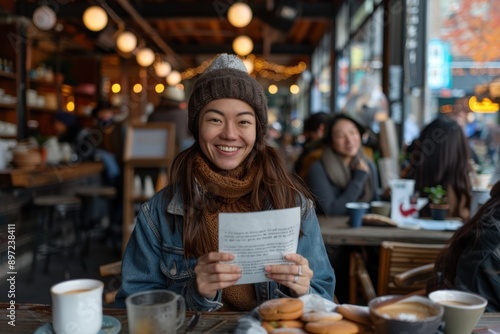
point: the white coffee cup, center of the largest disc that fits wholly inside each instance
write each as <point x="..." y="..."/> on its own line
<point x="77" y="306"/>
<point x="462" y="310"/>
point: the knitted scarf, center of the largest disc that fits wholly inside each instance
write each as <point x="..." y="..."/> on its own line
<point x="229" y="193"/>
<point x="340" y="174"/>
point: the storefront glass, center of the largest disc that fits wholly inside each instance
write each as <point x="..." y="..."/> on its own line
<point x="463" y="64"/>
<point x="359" y="74"/>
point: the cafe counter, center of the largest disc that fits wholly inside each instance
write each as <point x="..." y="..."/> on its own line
<point x="48" y="175"/>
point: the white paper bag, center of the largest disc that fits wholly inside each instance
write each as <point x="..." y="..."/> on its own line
<point x="401" y="208"/>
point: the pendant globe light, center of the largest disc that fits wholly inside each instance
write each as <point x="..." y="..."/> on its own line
<point x="242" y="45"/>
<point x="126" y="42"/>
<point x="44" y="18"/>
<point x="95" y="18"/>
<point x="145" y="57"/>
<point x="249" y="65"/>
<point x="239" y="14"/>
<point x="174" y="78"/>
<point x="162" y="69"/>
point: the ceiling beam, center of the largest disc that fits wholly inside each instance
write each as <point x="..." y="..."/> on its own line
<point x="182" y="11"/>
<point x="153" y="34"/>
<point x="276" y="49"/>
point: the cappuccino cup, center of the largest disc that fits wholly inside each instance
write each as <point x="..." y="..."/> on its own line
<point x="462" y="310"/>
<point x="77" y="306"/>
<point x="394" y="314"/>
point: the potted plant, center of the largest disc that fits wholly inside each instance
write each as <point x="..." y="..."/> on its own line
<point x="438" y="202"/>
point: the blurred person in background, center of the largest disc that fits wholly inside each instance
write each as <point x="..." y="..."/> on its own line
<point x="440" y="156"/>
<point x="109" y="136"/>
<point x="340" y="173"/>
<point x="313" y="132"/>
<point x="68" y="130"/>
<point x="471" y="262"/>
<point x="459" y="113"/>
<point x="110" y="147"/>
<point x="173" y="108"/>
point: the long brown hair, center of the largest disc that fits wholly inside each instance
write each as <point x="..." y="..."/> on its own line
<point x="447" y="260"/>
<point x="273" y="185"/>
<point x="441" y="157"/>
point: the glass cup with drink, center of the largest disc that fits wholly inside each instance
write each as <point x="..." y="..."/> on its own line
<point x="155" y="312"/>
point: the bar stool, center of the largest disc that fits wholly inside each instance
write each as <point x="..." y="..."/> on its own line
<point x="88" y="195"/>
<point x="54" y="230"/>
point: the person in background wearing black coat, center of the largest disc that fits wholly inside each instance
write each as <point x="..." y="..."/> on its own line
<point x="471" y="262"/>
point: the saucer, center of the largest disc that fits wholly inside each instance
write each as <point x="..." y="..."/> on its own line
<point x="110" y="325"/>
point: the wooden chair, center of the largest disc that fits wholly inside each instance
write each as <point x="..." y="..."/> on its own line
<point x="397" y="258"/>
<point x="397" y="272"/>
<point x="110" y="269"/>
<point x="419" y="275"/>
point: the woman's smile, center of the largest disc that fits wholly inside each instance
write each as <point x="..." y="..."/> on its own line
<point x="227" y="132"/>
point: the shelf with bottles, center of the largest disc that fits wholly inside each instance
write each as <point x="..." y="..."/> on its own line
<point x="7" y="75"/>
<point x="8" y="87"/>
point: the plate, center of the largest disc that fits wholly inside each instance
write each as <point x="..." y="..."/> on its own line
<point x="110" y="325"/>
<point x="429" y="224"/>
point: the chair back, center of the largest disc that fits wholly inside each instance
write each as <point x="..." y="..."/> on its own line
<point x="110" y="269"/>
<point x="398" y="257"/>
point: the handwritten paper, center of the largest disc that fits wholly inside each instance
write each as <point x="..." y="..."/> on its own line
<point x="258" y="239"/>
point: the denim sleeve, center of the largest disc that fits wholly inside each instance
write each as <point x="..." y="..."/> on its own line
<point x="146" y="264"/>
<point x="141" y="261"/>
<point x="312" y="247"/>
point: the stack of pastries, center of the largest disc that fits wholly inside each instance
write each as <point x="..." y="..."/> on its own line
<point x="286" y="315"/>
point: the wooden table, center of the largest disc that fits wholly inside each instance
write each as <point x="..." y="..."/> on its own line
<point x="336" y="232"/>
<point x="31" y="316"/>
<point x="41" y="176"/>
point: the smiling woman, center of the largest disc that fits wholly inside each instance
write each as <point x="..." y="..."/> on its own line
<point x="229" y="168"/>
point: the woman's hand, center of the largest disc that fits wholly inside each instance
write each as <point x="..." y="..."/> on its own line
<point x="362" y="165"/>
<point x="212" y="275"/>
<point x="296" y="276"/>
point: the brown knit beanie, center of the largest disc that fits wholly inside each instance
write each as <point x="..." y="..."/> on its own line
<point x="226" y="77"/>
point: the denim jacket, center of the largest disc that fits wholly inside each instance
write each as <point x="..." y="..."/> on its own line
<point x="154" y="258"/>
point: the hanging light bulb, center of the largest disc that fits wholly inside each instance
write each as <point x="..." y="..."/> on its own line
<point x="294" y="89"/>
<point x="272" y="89"/>
<point x="95" y="18"/>
<point x="126" y="42"/>
<point x="242" y="45"/>
<point x="174" y="78"/>
<point x="145" y="57"/>
<point x="44" y="18"/>
<point x="249" y="65"/>
<point x="239" y="14"/>
<point x="162" y="68"/>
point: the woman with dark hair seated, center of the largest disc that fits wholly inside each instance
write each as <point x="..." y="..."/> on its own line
<point x="471" y="262"/>
<point x="440" y="156"/>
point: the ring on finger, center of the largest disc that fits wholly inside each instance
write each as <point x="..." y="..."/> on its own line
<point x="299" y="270"/>
<point x="296" y="279"/>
